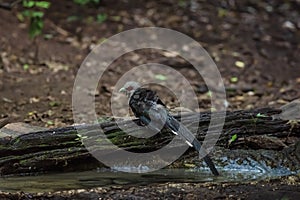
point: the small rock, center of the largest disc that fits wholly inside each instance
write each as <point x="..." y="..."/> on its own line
<point x="290" y="111"/>
<point x="289" y="25"/>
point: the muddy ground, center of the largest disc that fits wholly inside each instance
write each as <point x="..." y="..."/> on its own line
<point x="286" y="188"/>
<point x="263" y="36"/>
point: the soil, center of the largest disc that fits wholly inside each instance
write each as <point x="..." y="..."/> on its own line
<point x="284" y="188"/>
<point x="264" y="36"/>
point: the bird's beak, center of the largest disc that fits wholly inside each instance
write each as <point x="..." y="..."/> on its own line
<point x="122" y="90"/>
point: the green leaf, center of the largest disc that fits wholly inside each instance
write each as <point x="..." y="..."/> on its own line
<point x="20" y="17"/>
<point x="27" y="13"/>
<point x="31" y="14"/>
<point x="239" y="64"/>
<point x="259" y="115"/>
<point x="209" y="94"/>
<point x="233" y="138"/>
<point x="101" y="18"/>
<point x="222" y="12"/>
<point x="49" y="122"/>
<point x="39" y="14"/>
<point x="54" y="103"/>
<point x="25" y="67"/>
<point x="73" y="18"/>
<point x="189" y="165"/>
<point x="42" y="4"/>
<point x="84" y="2"/>
<point x="40" y="24"/>
<point x="80" y="137"/>
<point x="161" y="77"/>
<point x="36" y="26"/>
<point x="116" y="18"/>
<point x="28" y="4"/>
<point x="182" y="3"/>
<point x="81" y="2"/>
<point x="234" y="79"/>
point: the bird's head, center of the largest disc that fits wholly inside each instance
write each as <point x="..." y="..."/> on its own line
<point x="129" y="88"/>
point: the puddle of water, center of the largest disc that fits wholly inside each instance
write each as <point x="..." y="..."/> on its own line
<point x="105" y="177"/>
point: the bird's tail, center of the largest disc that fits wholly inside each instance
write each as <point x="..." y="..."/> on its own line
<point x="186" y="135"/>
<point x="196" y="144"/>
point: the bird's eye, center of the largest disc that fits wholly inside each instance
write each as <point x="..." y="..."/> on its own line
<point x="129" y="88"/>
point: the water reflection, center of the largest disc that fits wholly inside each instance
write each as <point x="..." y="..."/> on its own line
<point x="106" y="177"/>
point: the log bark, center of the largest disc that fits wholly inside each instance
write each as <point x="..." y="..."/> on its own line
<point x="62" y="149"/>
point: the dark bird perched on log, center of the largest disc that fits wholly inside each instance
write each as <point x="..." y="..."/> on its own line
<point x="152" y="112"/>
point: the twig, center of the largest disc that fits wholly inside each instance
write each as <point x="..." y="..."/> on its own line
<point x="9" y="6"/>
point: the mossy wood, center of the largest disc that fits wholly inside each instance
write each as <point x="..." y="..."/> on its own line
<point x="62" y="149"/>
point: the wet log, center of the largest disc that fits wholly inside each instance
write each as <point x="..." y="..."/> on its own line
<point x="64" y="149"/>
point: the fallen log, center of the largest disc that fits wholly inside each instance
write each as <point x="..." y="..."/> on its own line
<point x="62" y="149"/>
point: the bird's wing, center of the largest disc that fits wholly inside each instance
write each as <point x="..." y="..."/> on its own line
<point x="155" y="117"/>
<point x="144" y="104"/>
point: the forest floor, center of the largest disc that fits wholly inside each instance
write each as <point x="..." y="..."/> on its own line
<point x="255" y="44"/>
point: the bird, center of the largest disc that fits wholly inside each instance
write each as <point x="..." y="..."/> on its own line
<point x="151" y="111"/>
